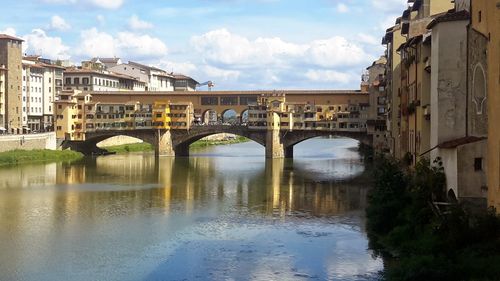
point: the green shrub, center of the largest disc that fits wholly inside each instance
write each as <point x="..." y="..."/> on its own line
<point x="404" y="227"/>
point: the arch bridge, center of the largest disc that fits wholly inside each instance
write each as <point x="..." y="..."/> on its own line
<point x="278" y="143"/>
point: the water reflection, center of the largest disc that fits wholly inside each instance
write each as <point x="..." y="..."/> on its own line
<point x="105" y="217"/>
<point x="279" y="187"/>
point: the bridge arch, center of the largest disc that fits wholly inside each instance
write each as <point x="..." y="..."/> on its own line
<point x="244" y="116"/>
<point x="230" y="116"/>
<point x="181" y="141"/>
<point x="295" y="137"/>
<point x="209" y="116"/>
<point x="89" y="146"/>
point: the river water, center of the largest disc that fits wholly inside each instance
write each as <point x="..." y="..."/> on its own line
<point x="226" y="213"/>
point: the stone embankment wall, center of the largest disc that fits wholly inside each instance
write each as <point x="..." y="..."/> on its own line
<point x="28" y="142"/>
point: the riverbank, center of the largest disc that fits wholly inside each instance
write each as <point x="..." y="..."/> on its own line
<point x="133" y="147"/>
<point x="145" y="147"/>
<point x="204" y="143"/>
<point x="30" y="156"/>
<point x="422" y="239"/>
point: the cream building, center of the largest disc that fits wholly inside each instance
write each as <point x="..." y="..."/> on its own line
<point x="393" y="39"/>
<point x="155" y="79"/>
<point x="86" y="79"/>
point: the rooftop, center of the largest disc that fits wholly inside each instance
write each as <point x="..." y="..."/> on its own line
<point x="5" y="36"/>
<point x="449" y="16"/>
<point x="459" y="142"/>
<point x="145" y="66"/>
<point x="236" y="93"/>
<point x="91" y="71"/>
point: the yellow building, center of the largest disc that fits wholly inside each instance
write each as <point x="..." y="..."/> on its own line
<point x="70" y="115"/>
<point x="486" y="20"/>
<point x="181" y="115"/>
<point x="77" y="114"/>
<point x="393" y="39"/>
<point x="415" y="77"/>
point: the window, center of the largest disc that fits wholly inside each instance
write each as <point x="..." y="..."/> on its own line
<point x="479" y="16"/>
<point x="247" y="100"/>
<point x="209" y="101"/>
<point x="85" y="81"/>
<point x="76" y="81"/>
<point x="229" y="100"/>
<point x="478" y="164"/>
<point x="68" y="81"/>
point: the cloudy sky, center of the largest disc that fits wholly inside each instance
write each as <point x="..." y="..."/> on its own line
<point x="238" y="44"/>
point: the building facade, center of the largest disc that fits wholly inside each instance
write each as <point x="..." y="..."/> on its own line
<point x="485" y="20"/>
<point x="438" y="76"/>
<point x="11" y="59"/>
<point x="377" y="115"/>
<point x="84" y="79"/>
<point x="3" y="90"/>
<point x="393" y="39"/>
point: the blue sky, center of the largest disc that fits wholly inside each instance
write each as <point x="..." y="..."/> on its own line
<point x="238" y="44"/>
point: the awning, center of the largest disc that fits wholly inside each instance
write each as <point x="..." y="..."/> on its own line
<point x="3" y="129"/>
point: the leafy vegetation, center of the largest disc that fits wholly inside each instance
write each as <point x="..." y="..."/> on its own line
<point x="126" y="148"/>
<point x="422" y="240"/>
<point x="28" y="156"/>
<point x="203" y="143"/>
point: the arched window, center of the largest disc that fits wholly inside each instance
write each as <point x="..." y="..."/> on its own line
<point x="479" y="88"/>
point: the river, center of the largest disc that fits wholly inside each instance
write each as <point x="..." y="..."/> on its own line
<point x="226" y="213"/>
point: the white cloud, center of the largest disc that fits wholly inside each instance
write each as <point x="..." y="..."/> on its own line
<point x="106" y="4"/>
<point x="95" y="43"/>
<point x="9" y="31"/>
<point x="222" y="47"/>
<point x="335" y="52"/>
<point x="271" y="62"/>
<point x="342" y="8"/>
<point x="136" y="24"/>
<point x="329" y="76"/>
<point x="39" y="43"/>
<point x="58" y="23"/>
<point x="221" y="74"/>
<point x="142" y="47"/>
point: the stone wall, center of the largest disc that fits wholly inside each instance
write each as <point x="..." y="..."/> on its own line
<point x="28" y="142"/>
<point x="478" y="87"/>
